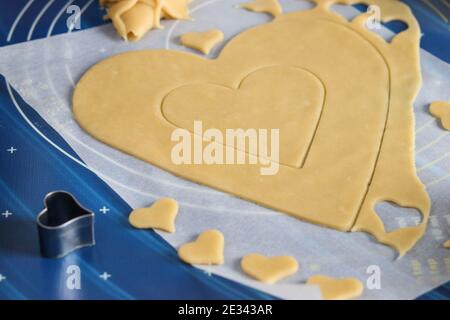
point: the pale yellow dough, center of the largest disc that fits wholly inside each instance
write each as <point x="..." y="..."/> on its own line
<point x="134" y="18"/>
<point x="160" y="215"/>
<point x="358" y="152"/>
<point x="337" y="289"/>
<point x="202" y="41"/>
<point x="268" y="269"/>
<point x="441" y="110"/>
<point x="207" y="249"/>
<point x="272" y="7"/>
<point x="298" y="94"/>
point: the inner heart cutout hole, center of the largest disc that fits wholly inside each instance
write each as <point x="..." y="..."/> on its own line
<point x="396" y="217"/>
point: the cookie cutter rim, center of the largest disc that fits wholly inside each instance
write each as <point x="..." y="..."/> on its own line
<point x="87" y="214"/>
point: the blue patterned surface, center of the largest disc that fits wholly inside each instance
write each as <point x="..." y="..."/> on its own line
<point x="141" y="265"/>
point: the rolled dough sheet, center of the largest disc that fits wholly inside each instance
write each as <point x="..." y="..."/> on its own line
<point x="370" y="86"/>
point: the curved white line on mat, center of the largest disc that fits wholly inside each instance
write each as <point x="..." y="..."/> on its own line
<point x="69" y="75"/>
<point x="435" y="10"/>
<point x="433" y="162"/>
<point x="446" y="3"/>
<point x="432" y="143"/>
<point x="425" y="125"/>
<point x="16" y="21"/>
<point x="434" y="182"/>
<point x="38" y="17"/>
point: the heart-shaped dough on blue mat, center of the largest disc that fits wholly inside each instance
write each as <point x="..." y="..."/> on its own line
<point x="334" y="166"/>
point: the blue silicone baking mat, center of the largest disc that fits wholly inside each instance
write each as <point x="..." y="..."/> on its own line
<point x="125" y="263"/>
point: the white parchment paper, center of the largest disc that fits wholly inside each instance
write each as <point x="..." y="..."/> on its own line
<point x="45" y="71"/>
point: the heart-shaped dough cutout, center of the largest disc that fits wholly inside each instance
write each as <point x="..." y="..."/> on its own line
<point x="206" y="249"/>
<point x="441" y="110"/>
<point x="268" y="269"/>
<point x="160" y="215"/>
<point x="293" y="105"/>
<point x="333" y="181"/>
<point x="272" y="7"/>
<point x="337" y="289"/>
<point x="202" y="41"/>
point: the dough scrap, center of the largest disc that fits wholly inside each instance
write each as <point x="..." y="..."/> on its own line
<point x="134" y="18"/>
<point x="337" y="289"/>
<point x="441" y="110"/>
<point x="447" y="244"/>
<point x="268" y="269"/>
<point x="202" y="41"/>
<point x="160" y="215"/>
<point x="370" y="86"/>
<point x="207" y="249"/>
<point x="272" y="7"/>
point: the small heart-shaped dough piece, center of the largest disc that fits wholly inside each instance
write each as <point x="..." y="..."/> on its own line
<point x="268" y="269"/>
<point x="441" y="110"/>
<point x="337" y="289"/>
<point x="272" y="7"/>
<point x="202" y="41"/>
<point x="160" y="215"/>
<point x="206" y="249"/>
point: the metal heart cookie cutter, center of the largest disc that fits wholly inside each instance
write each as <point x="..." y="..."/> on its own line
<point x="64" y="225"/>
